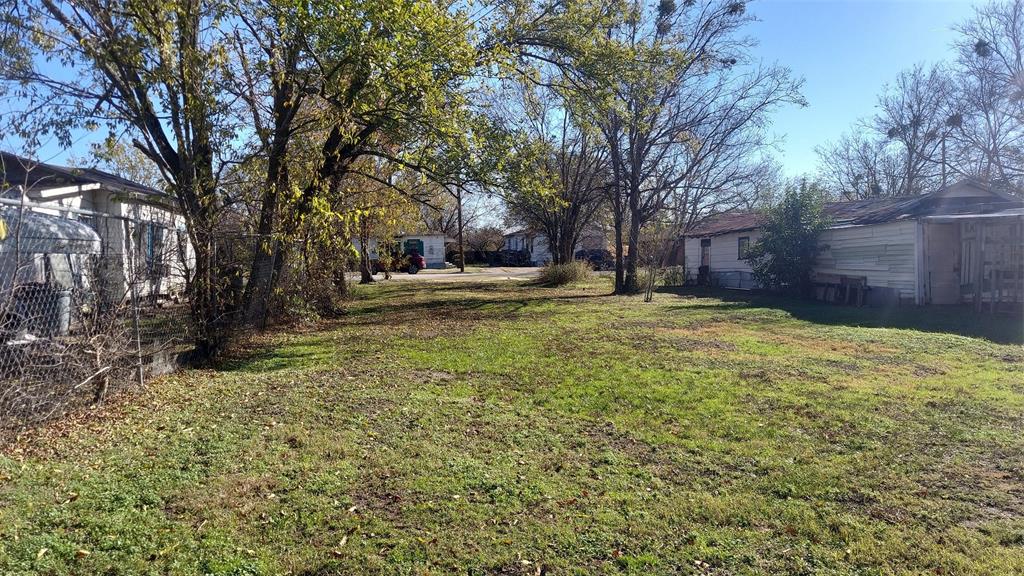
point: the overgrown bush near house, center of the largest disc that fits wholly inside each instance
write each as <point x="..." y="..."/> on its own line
<point x="674" y="276"/>
<point x="562" y="274"/>
<point x="784" y="255"/>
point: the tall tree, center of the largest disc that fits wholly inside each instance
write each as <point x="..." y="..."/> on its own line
<point x="571" y="164"/>
<point x="990" y="93"/>
<point x="913" y="113"/>
<point x="684" y="93"/>
<point x="271" y="76"/>
<point x="861" y="166"/>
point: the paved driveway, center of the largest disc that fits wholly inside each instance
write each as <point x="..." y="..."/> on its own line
<point x="472" y="274"/>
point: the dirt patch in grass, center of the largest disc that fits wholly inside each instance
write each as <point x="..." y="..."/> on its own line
<point x="1001" y="496"/>
<point x="924" y="370"/>
<point x="237" y="493"/>
<point x="607" y="436"/>
<point x="1015" y="360"/>
<point x="378" y="495"/>
<point x="842" y="365"/>
<point x="688" y="339"/>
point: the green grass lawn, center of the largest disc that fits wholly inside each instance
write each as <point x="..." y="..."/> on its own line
<point x="504" y="429"/>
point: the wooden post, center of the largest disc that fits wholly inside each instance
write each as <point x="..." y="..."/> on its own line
<point x="993" y="279"/>
<point x="980" y="289"/>
<point x="979" y="274"/>
<point x="1018" y="264"/>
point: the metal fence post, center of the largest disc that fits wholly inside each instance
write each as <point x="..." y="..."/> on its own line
<point x="133" y="286"/>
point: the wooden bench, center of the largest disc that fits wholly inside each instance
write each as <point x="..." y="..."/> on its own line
<point x="840" y="289"/>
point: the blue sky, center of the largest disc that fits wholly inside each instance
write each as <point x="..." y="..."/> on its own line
<point x="846" y="50"/>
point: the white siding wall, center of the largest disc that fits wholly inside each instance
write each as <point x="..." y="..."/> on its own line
<point x="885" y="254"/>
<point x="691" y="257"/>
<point x="433" y="250"/>
<point x="515" y="242"/>
<point x="539" y="253"/>
<point x="168" y="278"/>
<point x="537" y="246"/>
<point x="433" y="247"/>
<point x="724" y="253"/>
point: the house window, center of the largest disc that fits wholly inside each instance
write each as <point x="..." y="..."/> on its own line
<point x="151" y="238"/>
<point x="705" y="252"/>
<point x="743" y="247"/>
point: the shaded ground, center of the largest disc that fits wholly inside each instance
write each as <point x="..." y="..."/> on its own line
<point x="495" y="428"/>
<point x="473" y="274"/>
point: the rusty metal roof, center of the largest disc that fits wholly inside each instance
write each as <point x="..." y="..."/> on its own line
<point x="726" y="222"/>
<point x="16" y="170"/>
<point x="877" y="210"/>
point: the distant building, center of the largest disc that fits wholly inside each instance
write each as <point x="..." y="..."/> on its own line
<point x="537" y="251"/>
<point x="963" y="243"/>
<point x="532" y="245"/>
<point x="429" y="245"/>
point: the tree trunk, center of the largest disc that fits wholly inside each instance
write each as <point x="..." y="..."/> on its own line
<point x="552" y="237"/>
<point x="216" y="288"/>
<point x="340" y="283"/>
<point x="365" y="265"/>
<point x="262" y="275"/>
<point x="631" y="284"/>
<point x="209" y="313"/>
<point x="262" y="272"/>
<point x="565" y="246"/>
<point x="619" y="270"/>
<point x="365" y="273"/>
<point x="462" y="244"/>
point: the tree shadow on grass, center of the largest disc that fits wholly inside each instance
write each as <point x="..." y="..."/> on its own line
<point x="464" y="299"/>
<point x="999" y="328"/>
<point x="308" y="352"/>
<point x="403" y="305"/>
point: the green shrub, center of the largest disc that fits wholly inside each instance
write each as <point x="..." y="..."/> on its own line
<point x="561" y="274"/>
<point x="674" y="276"/>
<point x="784" y="255"/>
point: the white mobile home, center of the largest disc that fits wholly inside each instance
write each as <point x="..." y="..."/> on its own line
<point x="960" y="244"/>
<point x="430" y="245"/>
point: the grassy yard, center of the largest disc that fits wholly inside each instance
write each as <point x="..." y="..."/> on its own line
<point x="503" y="429"/>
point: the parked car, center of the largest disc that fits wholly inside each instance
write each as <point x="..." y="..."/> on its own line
<point x="598" y="259"/>
<point x="412" y="263"/>
<point x="514" y="258"/>
<point x="416" y="262"/>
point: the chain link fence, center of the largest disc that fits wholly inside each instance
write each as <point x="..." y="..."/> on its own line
<point x="90" y="304"/>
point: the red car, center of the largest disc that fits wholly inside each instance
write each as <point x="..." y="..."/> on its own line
<point x="416" y="262"/>
<point x="412" y="263"/>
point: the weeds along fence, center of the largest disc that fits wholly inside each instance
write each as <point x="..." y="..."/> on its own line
<point x="90" y="304"/>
